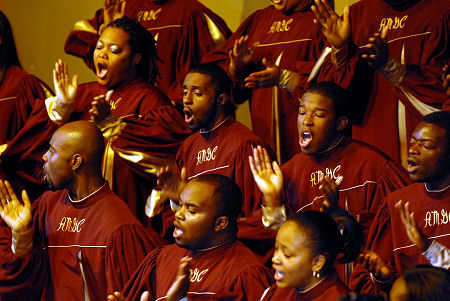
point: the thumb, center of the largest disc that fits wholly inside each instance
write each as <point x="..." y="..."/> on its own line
<point x="267" y="63"/>
<point x="384" y="31"/>
<point x="183" y="174"/>
<point x="75" y="80"/>
<point x="346" y="14"/>
<point x="122" y="12"/>
<point x="108" y="95"/>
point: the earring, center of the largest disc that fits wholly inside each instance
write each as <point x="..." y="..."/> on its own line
<point x="316" y="274"/>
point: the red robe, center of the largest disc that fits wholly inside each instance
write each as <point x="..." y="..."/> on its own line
<point x="20" y="94"/>
<point x="153" y="132"/>
<point x="418" y="38"/>
<point x="97" y="239"/>
<point x="294" y="43"/>
<point x="230" y="269"/>
<point x="329" y="289"/>
<point x="368" y="177"/>
<point x="225" y="151"/>
<point x="185" y="30"/>
<point x="388" y="238"/>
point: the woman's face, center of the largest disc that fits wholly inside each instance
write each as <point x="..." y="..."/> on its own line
<point x="113" y="58"/>
<point x="293" y="259"/>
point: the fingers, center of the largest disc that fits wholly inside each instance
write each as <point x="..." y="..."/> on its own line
<point x="108" y="95"/>
<point x="26" y="199"/>
<point x="4" y="200"/>
<point x="145" y="296"/>
<point x="183" y="174"/>
<point x="11" y="195"/>
<point x="117" y="296"/>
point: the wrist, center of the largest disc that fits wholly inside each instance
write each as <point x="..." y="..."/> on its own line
<point x="22" y="242"/>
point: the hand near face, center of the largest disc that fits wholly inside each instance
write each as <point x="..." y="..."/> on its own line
<point x="336" y="29"/>
<point x="241" y="55"/>
<point x="171" y="182"/>
<point x="377" y="51"/>
<point x="17" y="215"/>
<point x="266" y="78"/>
<point x="101" y="107"/>
<point x="66" y="90"/>
<point x="375" y="265"/>
<point x="413" y="231"/>
<point x="179" y="288"/>
<point x="267" y="175"/>
<point x="113" y="10"/>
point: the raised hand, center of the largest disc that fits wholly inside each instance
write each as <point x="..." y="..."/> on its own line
<point x="179" y="288"/>
<point x="266" y="78"/>
<point x="17" y="215"/>
<point x="375" y="265"/>
<point x="377" y="51"/>
<point x="101" y="107"/>
<point x="240" y="56"/>
<point x="66" y="89"/>
<point x="112" y="10"/>
<point x="330" y="193"/>
<point x="335" y="28"/>
<point x="413" y="231"/>
<point x="117" y="296"/>
<point x="267" y="176"/>
<point x="171" y="182"/>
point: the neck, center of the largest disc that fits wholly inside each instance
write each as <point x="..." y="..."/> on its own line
<point x="312" y="284"/>
<point x="439" y="184"/>
<point x="86" y="185"/>
<point x="218" y="120"/>
<point x="220" y="241"/>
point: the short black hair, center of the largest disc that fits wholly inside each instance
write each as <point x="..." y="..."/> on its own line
<point x="336" y="93"/>
<point x="221" y="81"/>
<point x="328" y="237"/>
<point x="425" y="282"/>
<point x="442" y="120"/>
<point x="142" y="42"/>
<point x="8" y="52"/>
<point x="228" y="197"/>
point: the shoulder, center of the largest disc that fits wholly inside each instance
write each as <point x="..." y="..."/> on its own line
<point x="406" y="192"/>
<point x="362" y="151"/>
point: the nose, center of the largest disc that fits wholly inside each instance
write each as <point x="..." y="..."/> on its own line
<point x="179" y="215"/>
<point x="307" y="119"/>
<point x="45" y="157"/>
<point x="187" y="98"/>
<point x="414" y="148"/>
<point x="275" y="258"/>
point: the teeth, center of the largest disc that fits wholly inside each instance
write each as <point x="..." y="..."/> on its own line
<point x="280" y="274"/>
<point x="306" y="135"/>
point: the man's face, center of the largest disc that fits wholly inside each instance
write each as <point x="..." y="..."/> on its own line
<point x="199" y="101"/>
<point x="287" y="6"/>
<point x="196" y="216"/>
<point x="316" y="123"/>
<point x="58" y="162"/>
<point x="113" y="58"/>
<point x="428" y="159"/>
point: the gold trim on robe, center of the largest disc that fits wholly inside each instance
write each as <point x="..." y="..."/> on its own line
<point x="217" y="36"/>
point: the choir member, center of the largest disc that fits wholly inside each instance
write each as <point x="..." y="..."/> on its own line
<point x="428" y="199"/>
<point x="220" y="145"/>
<point x="77" y="241"/>
<point x="332" y="171"/>
<point x="20" y="93"/>
<point x="185" y="30"/>
<point x="405" y="42"/>
<point x="306" y="248"/>
<point x="214" y="262"/>
<point x="143" y="129"/>
<point x="270" y="57"/>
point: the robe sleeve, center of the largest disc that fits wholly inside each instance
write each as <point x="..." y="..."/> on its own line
<point x="203" y="31"/>
<point x="379" y="241"/>
<point x="251" y="230"/>
<point x="127" y="247"/>
<point x="392" y="177"/>
<point x="23" y="277"/>
<point x="143" y="279"/>
<point x="83" y="37"/>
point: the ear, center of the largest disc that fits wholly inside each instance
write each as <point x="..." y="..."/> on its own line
<point x="221" y="223"/>
<point x="137" y="58"/>
<point x="342" y="123"/>
<point x="222" y="99"/>
<point x="318" y="262"/>
<point x="77" y="160"/>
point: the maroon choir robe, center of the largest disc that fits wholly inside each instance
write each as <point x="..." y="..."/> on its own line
<point x="388" y="238"/>
<point x="330" y="289"/>
<point x="185" y="30"/>
<point x="386" y="114"/>
<point x="293" y="43"/>
<point x="153" y="131"/>
<point x="21" y="96"/>
<point x="368" y="177"/>
<point x="89" y="247"/>
<point x="229" y="269"/>
<point x="225" y="151"/>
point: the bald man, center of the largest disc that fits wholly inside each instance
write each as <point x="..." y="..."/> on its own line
<point x="77" y="241"/>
